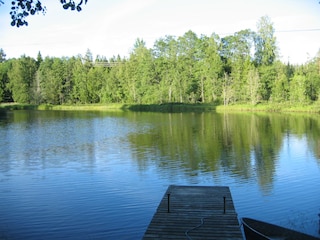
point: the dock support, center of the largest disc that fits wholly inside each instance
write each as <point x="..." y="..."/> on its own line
<point x="168" y="202"/>
<point x="224" y="204"/>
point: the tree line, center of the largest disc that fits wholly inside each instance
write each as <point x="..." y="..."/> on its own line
<point x="239" y="68"/>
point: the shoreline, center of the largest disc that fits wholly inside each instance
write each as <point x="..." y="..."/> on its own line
<point x="169" y="107"/>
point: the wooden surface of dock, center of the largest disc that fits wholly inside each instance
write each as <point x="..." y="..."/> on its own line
<point x="195" y="212"/>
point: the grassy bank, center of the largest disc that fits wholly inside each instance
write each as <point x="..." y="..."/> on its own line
<point x="271" y="107"/>
<point x="82" y="107"/>
<point x="169" y="107"/>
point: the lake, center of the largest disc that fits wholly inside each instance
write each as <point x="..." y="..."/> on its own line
<point x="101" y="175"/>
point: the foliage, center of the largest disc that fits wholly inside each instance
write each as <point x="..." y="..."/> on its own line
<point x="190" y="69"/>
<point x="4" y="68"/>
<point x="22" y="79"/>
<point x="265" y="41"/>
<point x="52" y="80"/>
<point x="2" y="55"/>
<point x="21" y="9"/>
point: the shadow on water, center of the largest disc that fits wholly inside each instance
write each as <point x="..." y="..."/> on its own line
<point x="174" y="107"/>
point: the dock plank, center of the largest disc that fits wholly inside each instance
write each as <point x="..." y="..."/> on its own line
<point x="195" y="212"/>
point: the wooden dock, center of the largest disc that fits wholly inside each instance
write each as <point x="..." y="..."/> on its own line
<point x="195" y="212"/>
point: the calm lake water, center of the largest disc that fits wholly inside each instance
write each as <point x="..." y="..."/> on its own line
<point x="97" y="175"/>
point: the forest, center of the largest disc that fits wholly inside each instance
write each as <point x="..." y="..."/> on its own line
<point x="243" y="68"/>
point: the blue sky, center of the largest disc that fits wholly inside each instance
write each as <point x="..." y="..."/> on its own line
<point x="110" y="27"/>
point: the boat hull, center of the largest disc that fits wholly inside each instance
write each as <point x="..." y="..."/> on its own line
<point x="258" y="230"/>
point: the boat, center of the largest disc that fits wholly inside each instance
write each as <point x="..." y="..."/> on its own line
<point x="258" y="230"/>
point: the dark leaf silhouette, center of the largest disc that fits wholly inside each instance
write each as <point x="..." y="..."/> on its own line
<point x="21" y="9"/>
<point x="66" y="6"/>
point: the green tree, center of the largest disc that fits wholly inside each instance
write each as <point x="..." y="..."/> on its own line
<point x="268" y="74"/>
<point x="87" y="60"/>
<point x="80" y="90"/>
<point x="210" y="69"/>
<point x="178" y="69"/>
<point x="83" y="85"/>
<point x="227" y="91"/>
<point x="112" y="88"/>
<point x="313" y="79"/>
<point x="5" y="94"/>
<point x="39" y="59"/>
<point x="95" y="78"/>
<point x="2" y="55"/>
<point x="241" y="63"/>
<point x="298" y="87"/>
<point x="265" y="56"/>
<point x="165" y="54"/>
<point x="188" y="55"/>
<point x="51" y="76"/>
<point x="280" y="87"/>
<point x="68" y="81"/>
<point x="3" y="74"/>
<point x="140" y="74"/>
<point x="253" y="85"/>
<point x="305" y="84"/>
<point x="236" y="52"/>
<point x="22" y="79"/>
<point x="265" y="42"/>
<point x="3" y="81"/>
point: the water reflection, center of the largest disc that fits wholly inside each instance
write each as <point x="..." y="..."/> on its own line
<point x="43" y="139"/>
<point x="95" y="174"/>
<point x="246" y="146"/>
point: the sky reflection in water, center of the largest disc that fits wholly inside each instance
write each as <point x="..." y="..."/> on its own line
<point x="93" y="175"/>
